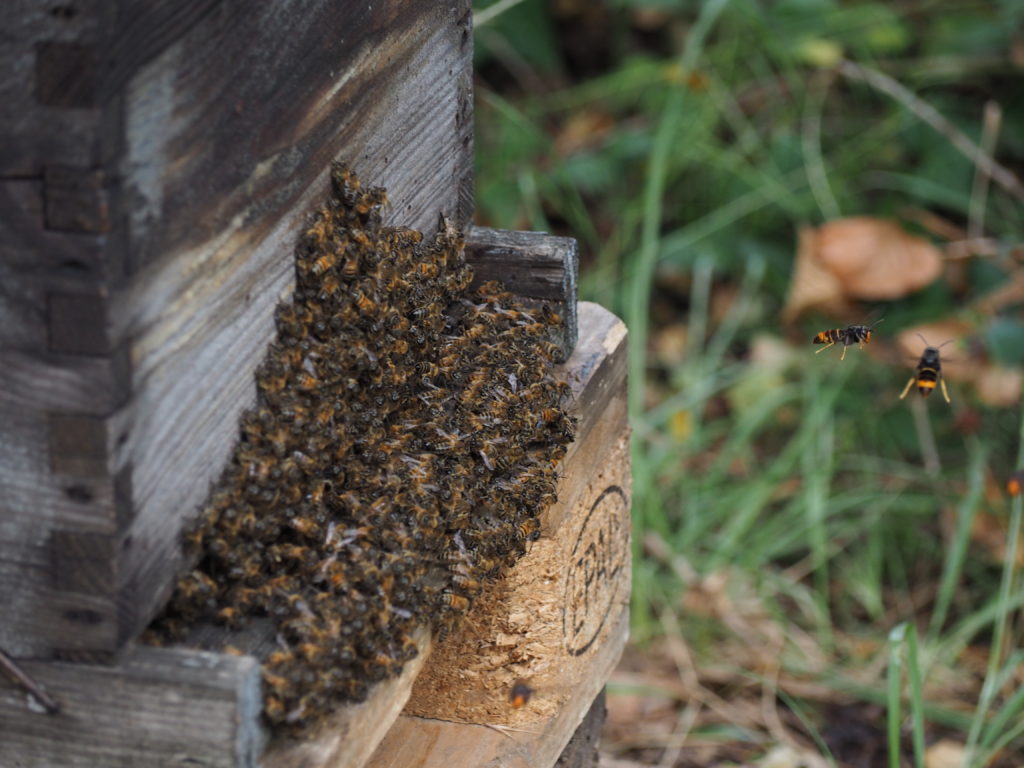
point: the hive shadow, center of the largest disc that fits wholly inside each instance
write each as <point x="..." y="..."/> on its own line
<point x="406" y="436"/>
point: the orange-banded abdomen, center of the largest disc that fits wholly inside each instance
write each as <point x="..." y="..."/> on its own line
<point x="927" y="378"/>
<point x="831" y="336"/>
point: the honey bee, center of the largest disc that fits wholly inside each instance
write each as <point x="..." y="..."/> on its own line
<point x="454" y="602"/>
<point x="350" y="268"/>
<point x="363" y="302"/>
<point x="328" y="288"/>
<point x="324" y="263"/>
<point x="549" y="316"/>
<point x="273" y="708"/>
<point x="529" y="529"/>
<point x="465" y="582"/>
<point x="229" y="615"/>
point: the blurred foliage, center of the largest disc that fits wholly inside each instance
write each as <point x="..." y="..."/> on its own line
<point x="685" y="144"/>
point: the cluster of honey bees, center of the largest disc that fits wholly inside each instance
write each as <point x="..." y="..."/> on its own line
<point x="405" y="438"/>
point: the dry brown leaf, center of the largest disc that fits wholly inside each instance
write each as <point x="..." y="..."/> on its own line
<point x="944" y="754"/>
<point x="812" y="285"/>
<point x="876" y="259"/>
<point x="858" y="258"/>
<point x="669" y="343"/>
<point x="999" y="387"/>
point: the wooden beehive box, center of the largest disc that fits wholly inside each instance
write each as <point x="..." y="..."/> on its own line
<point x="156" y="163"/>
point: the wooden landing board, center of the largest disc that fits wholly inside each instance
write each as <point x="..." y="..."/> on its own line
<point x="419" y="742"/>
<point x="558" y="621"/>
<point x="156" y="707"/>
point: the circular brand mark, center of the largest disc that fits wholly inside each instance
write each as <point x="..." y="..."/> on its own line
<point x="595" y="570"/>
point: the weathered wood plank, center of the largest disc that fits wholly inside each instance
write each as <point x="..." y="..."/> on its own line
<point x="534" y="265"/>
<point x="45" y="90"/>
<point x="154" y="707"/>
<point x="581" y="751"/>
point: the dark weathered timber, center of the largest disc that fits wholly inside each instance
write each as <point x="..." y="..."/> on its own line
<point x="581" y="751"/>
<point x="153" y="707"/>
<point x="157" y="162"/>
<point x="534" y="265"/>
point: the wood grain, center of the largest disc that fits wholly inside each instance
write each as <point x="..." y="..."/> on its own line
<point x="154" y="707"/>
<point x="534" y="265"/>
<point x="418" y="742"/>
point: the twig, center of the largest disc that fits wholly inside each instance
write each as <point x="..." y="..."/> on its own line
<point x="984" y="162"/>
<point x="34" y="689"/>
<point x="504" y="730"/>
<point x="990" y="123"/>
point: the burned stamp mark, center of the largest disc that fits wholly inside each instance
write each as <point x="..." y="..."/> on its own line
<point x="594" y="572"/>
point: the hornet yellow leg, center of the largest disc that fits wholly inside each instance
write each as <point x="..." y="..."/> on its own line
<point x="945" y="394"/>
<point x="830" y="344"/>
<point x="907" y="388"/>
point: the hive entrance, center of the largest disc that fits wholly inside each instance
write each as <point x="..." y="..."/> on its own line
<point x="404" y="441"/>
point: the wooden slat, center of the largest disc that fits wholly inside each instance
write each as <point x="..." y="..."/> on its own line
<point x="534" y="265"/>
<point x="419" y="742"/>
<point x="154" y="707"/>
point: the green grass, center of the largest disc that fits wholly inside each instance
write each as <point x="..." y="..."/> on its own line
<point x="798" y="480"/>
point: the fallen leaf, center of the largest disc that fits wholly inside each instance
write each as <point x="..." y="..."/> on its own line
<point x="858" y="258"/>
<point x="944" y="754"/>
<point x="811" y="285"/>
<point x="876" y="259"/>
<point x="998" y="386"/>
<point x="669" y="343"/>
<point x="583" y="130"/>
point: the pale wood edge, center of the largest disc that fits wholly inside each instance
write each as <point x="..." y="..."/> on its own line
<point x="417" y="742"/>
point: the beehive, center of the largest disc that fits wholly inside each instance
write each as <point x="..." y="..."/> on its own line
<point x="156" y="168"/>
